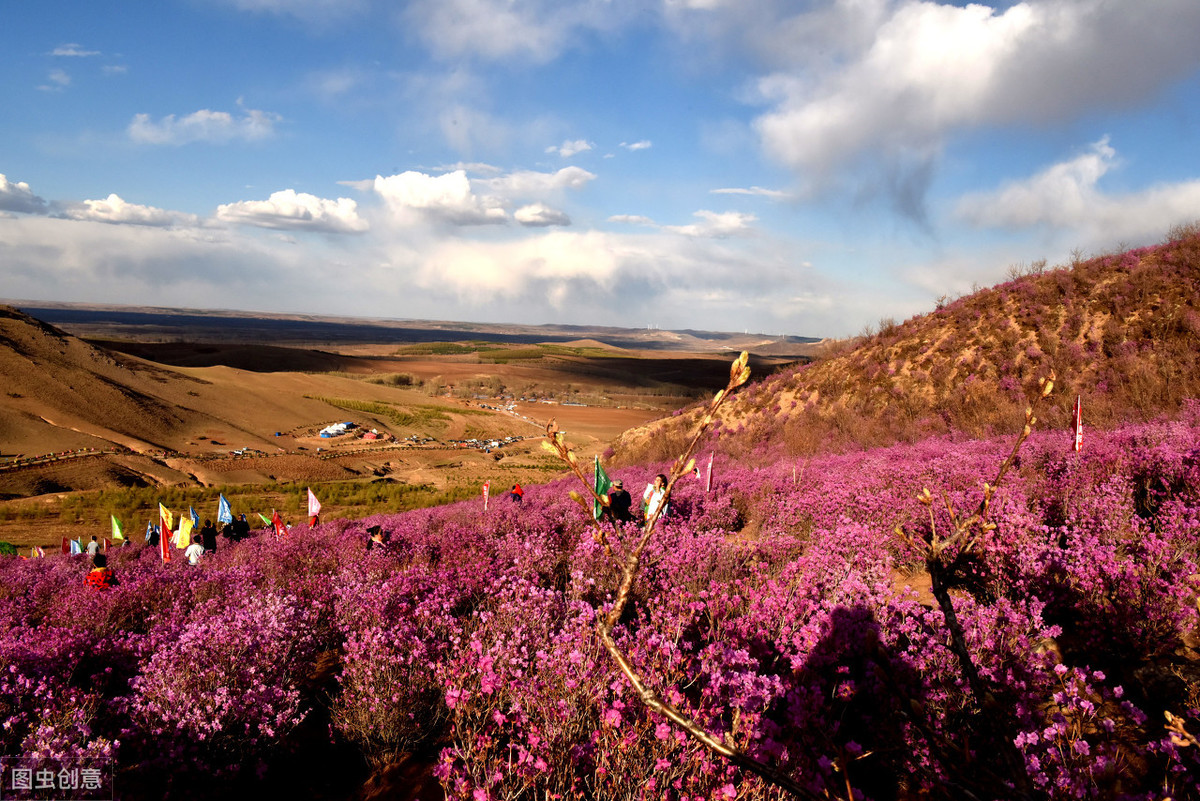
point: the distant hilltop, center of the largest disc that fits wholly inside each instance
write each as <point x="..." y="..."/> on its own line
<point x="1119" y="331"/>
<point x="138" y="323"/>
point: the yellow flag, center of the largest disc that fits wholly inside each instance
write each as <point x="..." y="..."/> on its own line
<point x="168" y="519"/>
<point x="184" y="537"/>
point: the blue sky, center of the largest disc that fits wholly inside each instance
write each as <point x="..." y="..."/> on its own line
<point x="804" y="168"/>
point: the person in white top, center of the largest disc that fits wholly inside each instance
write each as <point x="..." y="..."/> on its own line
<point x="654" y="497"/>
<point x="194" y="552"/>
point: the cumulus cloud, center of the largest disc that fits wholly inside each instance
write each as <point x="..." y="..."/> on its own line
<point x="906" y="74"/>
<point x="538" y="215"/>
<point x="1067" y="197"/>
<point x="204" y="126"/>
<point x="412" y="196"/>
<point x="715" y="225"/>
<point x="19" y="197"/>
<point x="116" y="211"/>
<point x="73" y="50"/>
<point x="536" y="31"/>
<point x="570" y="147"/>
<point x="529" y="183"/>
<point x="296" y="211"/>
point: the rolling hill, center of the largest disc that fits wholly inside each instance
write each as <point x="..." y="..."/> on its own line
<point x="1120" y="331"/>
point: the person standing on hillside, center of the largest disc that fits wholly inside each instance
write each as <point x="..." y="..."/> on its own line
<point x="620" y="502"/>
<point x="241" y="527"/>
<point x="93" y="547"/>
<point x="194" y="552"/>
<point x="517" y="493"/>
<point x="208" y="536"/>
<point x="655" y="497"/>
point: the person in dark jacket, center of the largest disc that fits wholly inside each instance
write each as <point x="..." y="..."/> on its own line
<point x="620" y="502"/>
<point x="208" y="537"/>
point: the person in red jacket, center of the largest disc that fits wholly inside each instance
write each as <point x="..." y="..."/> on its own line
<point x="517" y="493"/>
<point x="101" y="576"/>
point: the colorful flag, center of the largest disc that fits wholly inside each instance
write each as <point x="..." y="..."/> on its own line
<point x="277" y="522"/>
<point x="1078" y="423"/>
<point x="165" y="520"/>
<point x="487" y="488"/>
<point x="224" y="513"/>
<point x="183" y="537"/>
<point x="266" y="520"/>
<point x="149" y="529"/>
<point x="76" y="547"/>
<point x="117" y="534"/>
<point x="314" y="506"/>
<point x="602" y="485"/>
<point x="708" y="478"/>
<point x="37" y="553"/>
<point x="195" y="517"/>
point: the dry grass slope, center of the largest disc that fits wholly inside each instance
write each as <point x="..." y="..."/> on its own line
<point x="1121" y="331"/>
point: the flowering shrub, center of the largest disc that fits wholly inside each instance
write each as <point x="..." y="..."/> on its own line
<point x="774" y="611"/>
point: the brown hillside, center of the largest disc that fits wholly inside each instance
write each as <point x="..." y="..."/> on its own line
<point x="61" y="393"/>
<point x="1121" y="331"/>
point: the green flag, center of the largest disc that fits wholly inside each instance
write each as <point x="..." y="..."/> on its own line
<point x="602" y="485"/>
<point x="266" y="520"/>
<point x="117" y="534"/>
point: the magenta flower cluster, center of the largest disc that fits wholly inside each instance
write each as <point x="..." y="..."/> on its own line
<point x="781" y="611"/>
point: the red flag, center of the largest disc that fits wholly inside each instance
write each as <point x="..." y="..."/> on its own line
<point x="277" y="522"/>
<point x="487" y="485"/>
<point x="104" y="547"/>
<point x="66" y="546"/>
<point x="1078" y="423"/>
<point x="164" y="534"/>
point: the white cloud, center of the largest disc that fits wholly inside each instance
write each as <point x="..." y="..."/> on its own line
<point x="902" y="75"/>
<point x="529" y="183"/>
<point x="571" y="147"/>
<point x="296" y="211"/>
<point x="57" y="80"/>
<point x="204" y="126"/>
<point x="538" y="215"/>
<point x="644" y="144"/>
<point x="631" y="219"/>
<point x="114" y="69"/>
<point x="754" y="191"/>
<point x="536" y="31"/>
<point x="1066" y="198"/>
<point x="412" y="196"/>
<point x="116" y="211"/>
<point x="19" y="197"/>
<point x="715" y="225"/>
<point x="308" y="10"/>
<point x="73" y="50"/>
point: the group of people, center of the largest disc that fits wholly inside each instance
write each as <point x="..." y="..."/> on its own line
<point x="102" y="577"/>
<point x="654" y="501"/>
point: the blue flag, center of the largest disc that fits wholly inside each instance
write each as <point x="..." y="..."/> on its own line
<point x="149" y="529"/>
<point x="76" y="547"/>
<point x="224" y="513"/>
<point x="195" y="517"/>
